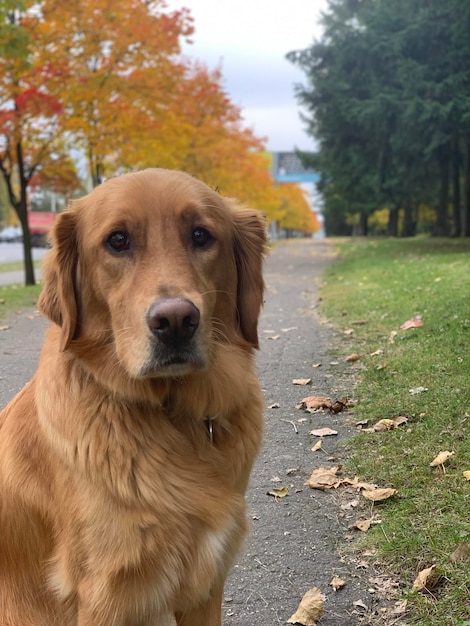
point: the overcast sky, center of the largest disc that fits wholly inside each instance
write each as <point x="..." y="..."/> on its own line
<point x="249" y="39"/>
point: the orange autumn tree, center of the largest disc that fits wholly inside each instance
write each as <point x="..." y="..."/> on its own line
<point x="297" y="214"/>
<point x="204" y="135"/>
<point x="120" y="66"/>
<point x="29" y="112"/>
<point x="131" y="101"/>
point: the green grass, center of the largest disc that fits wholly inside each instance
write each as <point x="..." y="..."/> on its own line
<point x="386" y="282"/>
<point x="17" y="297"/>
<point x="13" y="266"/>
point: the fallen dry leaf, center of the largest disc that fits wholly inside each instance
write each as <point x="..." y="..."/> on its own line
<point x="337" y="583"/>
<point x="4" y="327"/>
<point x="317" y="446"/>
<point x="352" y="357"/>
<point x="309" y="610"/>
<point x="323" y="432"/>
<point x="282" y="492"/>
<point x="414" y="322"/>
<point x="316" y="364"/>
<point x="461" y="553"/>
<point x="466" y="474"/>
<point x="417" y="390"/>
<point x="314" y="402"/>
<point x="441" y="458"/>
<point x="423" y="579"/>
<point x="399" y="420"/>
<point x="388" y="424"/>
<point x="273" y="337"/>
<point x="360" y="604"/>
<point x="381" y="425"/>
<point x="363" y="525"/>
<point x="338" y="406"/>
<point x="377" y="352"/>
<point x="358" y="484"/>
<point x="324" y="478"/>
<point x="276" y="405"/>
<point x="377" y="495"/>
<point x="359" y="322"/>
<point x="301" y="381"/>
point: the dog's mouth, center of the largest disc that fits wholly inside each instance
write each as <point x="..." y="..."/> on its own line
<point x="166" y="362"/>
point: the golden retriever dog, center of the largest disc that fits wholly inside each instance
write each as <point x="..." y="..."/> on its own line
<point x="124" y="462"/>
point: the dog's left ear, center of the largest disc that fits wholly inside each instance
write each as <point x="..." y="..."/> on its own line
<point x="58" y="299"/>
<point x="249" y="249"/>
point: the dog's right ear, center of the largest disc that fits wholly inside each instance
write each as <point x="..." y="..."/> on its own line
<point x="58" y="299"/>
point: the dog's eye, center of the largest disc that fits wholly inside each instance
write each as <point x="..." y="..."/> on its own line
<point x="201" y="237"/>
<point x="118" y="241"/>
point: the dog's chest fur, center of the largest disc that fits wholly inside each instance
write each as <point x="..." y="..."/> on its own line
<point x="157" y="518"/>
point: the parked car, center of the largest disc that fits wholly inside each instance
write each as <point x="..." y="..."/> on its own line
<point x="10" y="234"/>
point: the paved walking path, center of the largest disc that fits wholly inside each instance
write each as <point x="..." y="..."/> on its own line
<point x="297" y="541"/>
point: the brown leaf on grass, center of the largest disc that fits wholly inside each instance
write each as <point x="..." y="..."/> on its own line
<point x="309" y="610"/>
<point x="337" y="583"/>
<point x="381" y="425"/>
<point x="427" y="580"/>
<point x="352" y="357"/>
<point x="461" y="553"/>
<point x="358" y="484"/>
<point x="363" y="525"/>
<point x="466" y="474"/>
<point x="388" y="424"/>
<point x="359" y="322"/>
<point x="282" y="492"/>
<point x="441" y="458"/>
<point x="323" y="432"/>
<point x="324" y="478"/>
<point x="417" y="390"/>
<point x="414" y="322"/>
<point x="314" y="402"/>
<point x="301" y="381"/>
<point x="377" y="495"/>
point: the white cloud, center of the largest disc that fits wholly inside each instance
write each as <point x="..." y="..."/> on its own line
<point x="250" y="39"/>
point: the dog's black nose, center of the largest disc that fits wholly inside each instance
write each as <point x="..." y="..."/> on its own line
<point x="173" y="320"/>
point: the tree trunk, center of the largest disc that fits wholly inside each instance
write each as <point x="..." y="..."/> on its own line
<point x="409" y="221"/>
<point x="465" y="214"/>
<point x="363" y="226"/>
<point x="456" y="185"/>
<point x="441" y="225"/>
<point x="21" y="208"/>
<point x="392" y="226"/>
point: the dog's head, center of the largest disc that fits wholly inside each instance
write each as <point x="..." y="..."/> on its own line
<point x="154" y="269"/>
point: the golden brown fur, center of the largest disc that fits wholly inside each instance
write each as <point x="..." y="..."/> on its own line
<point x="116" y="508"/>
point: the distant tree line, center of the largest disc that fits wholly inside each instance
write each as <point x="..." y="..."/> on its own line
<point x="387" y="99"/>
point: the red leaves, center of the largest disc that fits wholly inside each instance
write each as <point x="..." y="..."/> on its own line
<point x="35" y="102"/>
